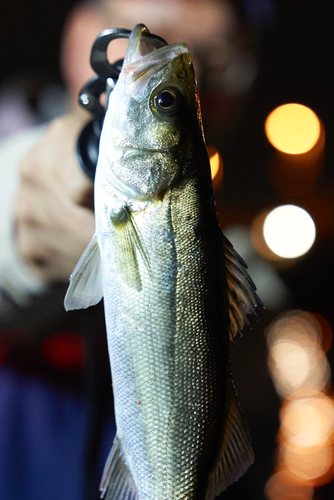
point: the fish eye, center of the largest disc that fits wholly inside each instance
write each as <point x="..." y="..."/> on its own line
<point x="166" y="101"/>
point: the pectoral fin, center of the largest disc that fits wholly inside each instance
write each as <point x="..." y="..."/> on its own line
<point x="241" y="290"/>
<point x="128" y="241"/>
<point x="236" y="453"/>
<point x="86" y="280"/>
<point x="117" y="481"/>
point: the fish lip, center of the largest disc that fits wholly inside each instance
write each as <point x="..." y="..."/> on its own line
<point x="155" y="59"/>
<point x="134" y="57"/>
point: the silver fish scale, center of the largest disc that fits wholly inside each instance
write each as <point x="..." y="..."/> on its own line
<point x="167" y="359"/>
<point x="140" y="347"/>
<point x="199" y="373"/>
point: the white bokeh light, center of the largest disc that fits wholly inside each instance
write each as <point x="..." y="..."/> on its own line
<point x="289" y="231"/>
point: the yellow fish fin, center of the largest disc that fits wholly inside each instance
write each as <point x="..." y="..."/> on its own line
<point x="128" y="241"/>
<point x="241" y="290"/>
<point x="139" y="242"/>
<point x="86" y="287"/>
<point x="117" y="481"/>
<point x="236" y="453"/>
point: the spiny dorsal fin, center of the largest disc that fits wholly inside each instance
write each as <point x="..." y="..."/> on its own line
<point x="117" y="481"/>
<point x="236" y="453"/>
<point x="242" y="296"/>
<point x="128" y="241"/>
<point x="86" y="287"/>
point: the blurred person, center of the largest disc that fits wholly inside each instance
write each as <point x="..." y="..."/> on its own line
<point x="51" y="435"/>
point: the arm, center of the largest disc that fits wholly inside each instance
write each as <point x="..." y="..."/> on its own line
<point x="47" y="219"/>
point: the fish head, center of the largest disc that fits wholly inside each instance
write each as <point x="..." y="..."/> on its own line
<point x="152" y="120"/>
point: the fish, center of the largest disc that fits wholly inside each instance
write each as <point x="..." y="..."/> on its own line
<point x="176" y="293"/>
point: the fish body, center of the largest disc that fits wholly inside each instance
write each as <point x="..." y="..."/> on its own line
<point x="175" y="292"/>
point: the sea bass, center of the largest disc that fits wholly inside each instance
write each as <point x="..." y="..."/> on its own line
<point x="175" y="291"/>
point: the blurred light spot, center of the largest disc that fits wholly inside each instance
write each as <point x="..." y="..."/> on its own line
<point x="216" y="164"/>
<point x="258" y="238"/>
<point x="294" y="366"/>
<point x="293" y="128"/>
<point x="301" y="372"/>
<point x="290" y="366"/>
<point x="268" y="282"/>
<point x="307" y="463"/>
<point x="296" y="359"/>
<point x="293" y="175"/>
<point x="292" y="325"/>
<point x="240" y="74"/>
<point x="289" y="231"/>
<point x="308" y="421"/>
<point x="64" y="350"/>
<point x="325" y="331"/>
<point x="282" y="487"/>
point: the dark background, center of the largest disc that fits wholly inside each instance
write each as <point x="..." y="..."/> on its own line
<point x="295" y="48"/>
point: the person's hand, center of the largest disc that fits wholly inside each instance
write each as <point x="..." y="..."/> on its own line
<point x="54" y="216"/>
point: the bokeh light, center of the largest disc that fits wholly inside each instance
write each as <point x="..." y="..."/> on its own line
<point x="293" y="128"/>
<point x="295" y="365"/>
<point x="325" y="331"/>
<point x="258" y="238"/>
<point x="301" y="373"/>
<point x="282" y="487"/>
<point x="294" y="324"/>
<point x="289" y="231"/>
<point x="307" y="463"/>
<point x="294" y="175"/>
<point x="216" y="164"/>
<point x="296" y="359"/>
<point x="307" y="421"/>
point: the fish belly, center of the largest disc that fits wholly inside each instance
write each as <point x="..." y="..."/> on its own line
<point x="167" y="362"/>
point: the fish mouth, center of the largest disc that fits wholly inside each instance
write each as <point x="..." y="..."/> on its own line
<point x="140" y="44"/>
<point x="143" y="51"/>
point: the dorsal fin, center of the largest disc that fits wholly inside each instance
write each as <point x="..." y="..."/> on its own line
<point x="117" y="481"/>
<point x="241" y="290"/>
<point x="236" y="453"/>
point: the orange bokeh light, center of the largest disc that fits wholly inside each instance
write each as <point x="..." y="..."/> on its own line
<point x="216" y="165"/>
<point x="307" y="464"/>
<point x="293" y="128"/>
<point x="282" y="487"/>
<point x="307" y="421"/>
<point x="301" y="373"/>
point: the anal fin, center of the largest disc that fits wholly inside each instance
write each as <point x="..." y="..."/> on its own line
<point x="117" y="481"/>
<point x="236" y="453"/>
